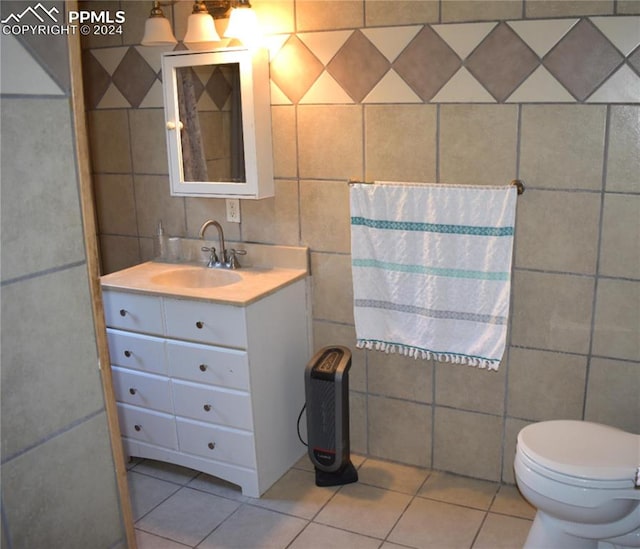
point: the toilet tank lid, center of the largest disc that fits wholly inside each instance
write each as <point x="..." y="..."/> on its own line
<point x="582" y="449"/>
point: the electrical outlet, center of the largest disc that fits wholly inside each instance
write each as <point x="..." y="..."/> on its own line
<point x="233" y="210"/>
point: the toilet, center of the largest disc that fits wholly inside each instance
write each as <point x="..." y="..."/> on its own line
<point x="583" y="478"/>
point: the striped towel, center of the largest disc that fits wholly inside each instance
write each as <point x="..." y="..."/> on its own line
<point x="432" y="269"/>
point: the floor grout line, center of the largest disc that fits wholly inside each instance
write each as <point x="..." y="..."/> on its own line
<point x="417" y="494"/>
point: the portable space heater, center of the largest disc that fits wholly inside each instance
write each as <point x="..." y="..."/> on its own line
<point x="327" y="394"/>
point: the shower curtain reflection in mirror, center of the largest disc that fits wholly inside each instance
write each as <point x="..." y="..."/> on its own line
<point x="209" y="101"/>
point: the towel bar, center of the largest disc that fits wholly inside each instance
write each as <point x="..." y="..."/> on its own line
<point x="516" y="183"/>
<point x="519" y="185"/>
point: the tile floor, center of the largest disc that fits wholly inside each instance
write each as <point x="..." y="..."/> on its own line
<point x="391" y="506"/>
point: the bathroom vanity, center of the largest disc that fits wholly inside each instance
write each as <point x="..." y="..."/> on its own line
<point x="208" y="366"/>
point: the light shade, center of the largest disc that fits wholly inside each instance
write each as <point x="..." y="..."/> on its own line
<point x="201" y="29"/>
<point x="157" y="30"/>
<point x="243" y="25"/>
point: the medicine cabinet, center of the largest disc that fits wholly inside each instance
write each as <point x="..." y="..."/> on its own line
<point x="218" y="123"/>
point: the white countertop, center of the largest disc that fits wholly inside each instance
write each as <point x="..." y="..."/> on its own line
<point x="238" y="287"/>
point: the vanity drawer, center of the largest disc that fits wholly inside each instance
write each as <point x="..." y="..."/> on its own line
<point x="138" y="351"/>
<point x="221" y="406"/>
<point x="140" y="389"/>
<point x="207" y="364"/>
<point x="217" y="443"/>
<point x="136" y="312"/>
<point x="206" y="322"/>
<point x="147" y="426"/>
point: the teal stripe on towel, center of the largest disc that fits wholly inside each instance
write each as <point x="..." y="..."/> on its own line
<point x="432" y="227"/>
<point x="433" y="271"/>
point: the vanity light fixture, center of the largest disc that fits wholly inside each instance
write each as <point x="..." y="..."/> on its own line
<point x="201" y="30"/>
<point x="157" y="29"/>
<point x="243" y="23"/>
<point x="200" y="27"/>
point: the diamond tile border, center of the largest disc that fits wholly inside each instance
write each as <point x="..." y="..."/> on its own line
<point x="463" y="38"/>
<point x="39" y="82"/>
<point x="541" y="36"/>
<point x="358" y="66"/>
<point x="463" y="88"/>
<point x="391" y="41"/>
<point x="295" y="68"/>
<point x="427" y="63"/>
<point x="540" y="87"/>
<point x="300" y="73"/>
<point x="134" y="77"/>
<point x="622" y="32"/>
<point x="502" y="61"/>
<point x="583" y="60"/>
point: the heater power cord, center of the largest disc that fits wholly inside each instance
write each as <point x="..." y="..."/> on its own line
<point x="304" y="406"/>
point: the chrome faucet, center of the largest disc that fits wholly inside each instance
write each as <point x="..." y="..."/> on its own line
<point x="228" y="258"/>
<point x="213" y="259"/>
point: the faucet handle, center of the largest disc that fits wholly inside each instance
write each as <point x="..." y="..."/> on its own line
<point x="233" y="258"/>
<point x="213" y="258"/>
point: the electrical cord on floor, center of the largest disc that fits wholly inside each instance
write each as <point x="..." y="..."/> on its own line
<point x="298" y="424"/>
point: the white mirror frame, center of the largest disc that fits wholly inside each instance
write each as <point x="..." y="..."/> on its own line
<point x="256" y="123"/>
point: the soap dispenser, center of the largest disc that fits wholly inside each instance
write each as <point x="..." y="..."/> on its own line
<point x="160" y="243"/>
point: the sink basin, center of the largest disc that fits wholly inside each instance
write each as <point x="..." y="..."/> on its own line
<point x="229" y="287"/>
<point x="196" y="277"/>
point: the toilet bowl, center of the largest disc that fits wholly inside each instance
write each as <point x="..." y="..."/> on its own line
<point x="582" y="478"/>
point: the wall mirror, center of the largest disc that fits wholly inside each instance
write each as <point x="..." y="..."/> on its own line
<point x="218" y="120"/>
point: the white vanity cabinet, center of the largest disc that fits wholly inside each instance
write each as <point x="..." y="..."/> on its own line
<point x="214" y="387"/>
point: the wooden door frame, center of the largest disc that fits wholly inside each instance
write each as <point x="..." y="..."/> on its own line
<point x="85" y="190"/>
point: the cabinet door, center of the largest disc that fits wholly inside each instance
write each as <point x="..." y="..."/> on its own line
<point x="140" y="389"/>
<point x="134" y="312"/>
<point x="230" y="151"/>
<point x="148" y="426"/>
<point x="138" y="351"/>
<point x="206" y="322"/>
<point x="213" y="405"/>
<point x="207" y="364"/>
<point x="217" y="443"/>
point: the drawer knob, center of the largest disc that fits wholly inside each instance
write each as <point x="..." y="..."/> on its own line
<point x="203" y="367"/>
<point x="128" y="353"/>
<point x="199" y="325"/>
<point x="211" y="445"/>
<point x="123" y="312"/>
<point x="132" y="391"/>
<point x="138" y="427"/>
<point x="207" y="407"/>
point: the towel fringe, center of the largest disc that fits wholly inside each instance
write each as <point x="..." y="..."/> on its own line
<point x="416" y="353"/>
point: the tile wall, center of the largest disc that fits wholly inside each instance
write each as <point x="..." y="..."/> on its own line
<point x="58" y="479"/>
<point x="477" y="92"/>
